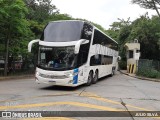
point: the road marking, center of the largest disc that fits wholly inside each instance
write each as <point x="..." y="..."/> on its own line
<point x="86" y="94"/>
<point x="50" y="118"/>
<point x="96" y="97"/>
<point x="93" y="106"/>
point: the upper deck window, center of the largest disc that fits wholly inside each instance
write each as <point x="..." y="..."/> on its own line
<point x="104" y="40"/>
<point x="87" y="31"/>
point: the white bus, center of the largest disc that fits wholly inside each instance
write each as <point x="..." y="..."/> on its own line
<point x="74" y="52"/>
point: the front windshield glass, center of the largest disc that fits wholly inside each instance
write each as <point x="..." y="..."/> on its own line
<point x="63" y="31"/>
<point x="56" y="58"/>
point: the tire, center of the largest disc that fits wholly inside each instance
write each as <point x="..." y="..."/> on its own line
<point x="90" y="78"/>
<point x="95" y="78"/>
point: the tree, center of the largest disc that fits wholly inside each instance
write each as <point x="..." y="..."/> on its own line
<point x="148" y="4"/>
<point x="40" y="10"/>
<point x="147" y="31"/>
<point x="13" y="24"/>
<point x="39" y="13"/>
<point x="120" y="31"/>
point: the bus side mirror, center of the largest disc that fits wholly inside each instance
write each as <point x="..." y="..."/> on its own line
<point x="31" y="43"/>
<point x="118" y="58"/>
<point x="77" y="46"/>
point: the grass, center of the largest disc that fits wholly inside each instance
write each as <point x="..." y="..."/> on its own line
<point x="148" y="72"/>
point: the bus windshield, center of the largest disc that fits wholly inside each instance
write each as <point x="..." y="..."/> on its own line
<point x="62" y="31"/>
<point x="56" y="58"/>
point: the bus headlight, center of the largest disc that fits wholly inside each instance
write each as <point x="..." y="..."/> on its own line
<point x="71" y="74"/>
<point x="70" y="82"/>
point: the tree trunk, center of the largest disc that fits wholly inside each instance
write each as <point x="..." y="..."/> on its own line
<point x="7" y="50"/>
<point x="155" y="7"/>
<point x="6" y="58"/>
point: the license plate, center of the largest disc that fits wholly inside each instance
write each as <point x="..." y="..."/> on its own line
<point x="51" y="81"/>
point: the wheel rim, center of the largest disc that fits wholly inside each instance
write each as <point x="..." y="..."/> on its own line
<point x="96" y="77"/>
<point x="89" y="78"/>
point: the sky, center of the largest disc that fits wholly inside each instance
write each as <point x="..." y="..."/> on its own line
<point x="102" y="12"/>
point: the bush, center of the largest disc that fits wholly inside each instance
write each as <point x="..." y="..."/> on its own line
<point x="123" y="65"/>
<point x="158" y="75"/>
<point x="146" y="72"/>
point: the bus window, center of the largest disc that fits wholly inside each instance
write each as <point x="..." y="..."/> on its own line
<point x="100" y="38"/>
<point x="83" y="54"/>
<point x="95" y="60"/>
<point x="87" y="32"/>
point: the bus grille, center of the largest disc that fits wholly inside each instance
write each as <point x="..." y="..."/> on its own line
<point x="53" y="76"/>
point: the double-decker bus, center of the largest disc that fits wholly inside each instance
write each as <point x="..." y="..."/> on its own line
<point x="74" y="52"/>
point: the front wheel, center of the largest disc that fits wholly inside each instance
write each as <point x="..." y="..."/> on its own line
<point x="90" y="78"/>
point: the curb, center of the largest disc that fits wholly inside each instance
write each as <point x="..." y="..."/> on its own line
<point x="142" y="78"/>
<point x="16" y="77"/>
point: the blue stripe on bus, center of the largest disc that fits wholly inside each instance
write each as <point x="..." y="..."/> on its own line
<point x="75" y="77"/>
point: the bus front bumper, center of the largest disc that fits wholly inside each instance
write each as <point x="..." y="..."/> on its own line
<point x="57" y="82"/>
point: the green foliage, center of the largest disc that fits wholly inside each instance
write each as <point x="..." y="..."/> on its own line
<point x="120" y="31"/>
<point x="113" y="33"/>
<point x="148" y="72"/>
<point x="12" y="18"/>
<point x="36" y="28"/>
<point x="123" y="65"/>
<point x="40" y="10"/>
<point x="14" y="26"/>
<point x="145" y="29"/>
<point x="39" y="13"/>
<point x="13" y="23"/>
<point x="56" y="17"/>
<point x="99" y="27"/>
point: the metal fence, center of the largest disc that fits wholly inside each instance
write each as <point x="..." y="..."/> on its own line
<point x="25" y="67"/>
<point x="149" y="64"/>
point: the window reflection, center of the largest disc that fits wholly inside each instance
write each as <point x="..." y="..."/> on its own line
<point x="56" y="58"/>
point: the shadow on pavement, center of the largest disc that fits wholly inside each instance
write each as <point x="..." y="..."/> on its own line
<point x="63" y="88"/>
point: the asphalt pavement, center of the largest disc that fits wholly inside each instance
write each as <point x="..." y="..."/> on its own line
<point x="118" y="93"/>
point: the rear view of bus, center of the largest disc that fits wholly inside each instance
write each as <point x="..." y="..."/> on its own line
<point x="65" y="52"/>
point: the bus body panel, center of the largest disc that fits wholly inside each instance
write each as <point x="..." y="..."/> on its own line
<point x="61" y="78"/>
<point x="100" y="57"/>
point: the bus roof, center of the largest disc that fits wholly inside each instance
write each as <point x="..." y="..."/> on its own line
<point x="73" y="21"/>
<point x="87" y="23"/>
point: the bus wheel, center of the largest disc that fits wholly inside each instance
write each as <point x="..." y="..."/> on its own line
<point x="90" y="78"/>
<point x="95" y="79"/>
